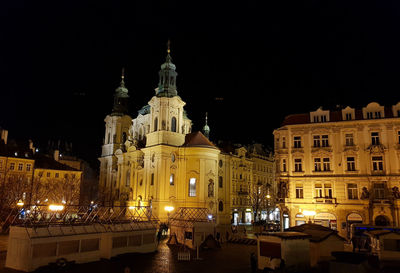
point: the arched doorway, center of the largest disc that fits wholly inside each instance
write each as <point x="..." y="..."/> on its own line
<point x="326" y="219"/>
<point x="381" y="220"/>
<point x="352" y="218"/>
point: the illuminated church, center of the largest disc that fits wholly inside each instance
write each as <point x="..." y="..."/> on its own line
<point x="156" y="160"/>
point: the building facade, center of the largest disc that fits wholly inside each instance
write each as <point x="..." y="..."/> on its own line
<point x="344" y="165"/>
<point x="34" y="178"/>
<point x="156" y="160"/>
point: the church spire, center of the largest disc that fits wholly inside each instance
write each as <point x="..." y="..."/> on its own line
<point x="206" y="128"/>
<point x="121" y="97"/>
<point x="167" y="77"/>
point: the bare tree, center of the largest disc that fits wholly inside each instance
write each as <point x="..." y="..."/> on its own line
<point x="65" y="190"/>
<point x="261" y="199"/>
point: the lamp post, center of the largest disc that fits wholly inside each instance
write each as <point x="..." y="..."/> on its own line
<point x="168" y="209"/>
<point x="309" y="213"/>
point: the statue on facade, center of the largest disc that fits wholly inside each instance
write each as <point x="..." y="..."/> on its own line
<point x="211" y="188"/>
<point x="395" y="192"/>
<point x="365" y="193"/>
<point x="283" y="190"/>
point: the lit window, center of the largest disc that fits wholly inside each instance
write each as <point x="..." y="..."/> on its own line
<point x="171" y="179"/>
<point x="192" y="187"/>
<point x="328" y="190"/>
<point x="318" y="190"/>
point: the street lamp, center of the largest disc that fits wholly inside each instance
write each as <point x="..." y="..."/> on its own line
<point x="309" y="213"/>
<point x="168" y="209"/>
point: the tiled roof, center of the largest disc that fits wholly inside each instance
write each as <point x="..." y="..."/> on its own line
<point x="334" y="116"/>
<point x="47" y="162"/>
<point x="197" y="139"/>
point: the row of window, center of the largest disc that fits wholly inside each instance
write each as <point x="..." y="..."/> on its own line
<point x="325" y="191"/>
<point x="324" y="164"/>
<point x="323" y="140"/>
<point x="20" y="166"/>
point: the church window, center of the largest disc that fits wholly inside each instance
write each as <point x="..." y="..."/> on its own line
<point x="152" y="179"/>
<point x="155" y="124"/>
<point x="171" y="179"/>
<point x="173" y="124"/>
<point x="220" y="163"/>
<point x="220" y="206"/>
<point x="220" y="181"/>
<point x="141" y="182"/>
<point x="192" y="187"/>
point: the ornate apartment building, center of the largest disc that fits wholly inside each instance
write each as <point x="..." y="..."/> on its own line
<point x="344" y="165"/>
<point x="156" y="160"/>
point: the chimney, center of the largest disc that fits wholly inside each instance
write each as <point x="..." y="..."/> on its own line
<point x="4" y="135"/>
<point x="56" y="155"/>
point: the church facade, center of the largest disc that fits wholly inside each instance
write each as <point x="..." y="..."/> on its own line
<point x="154" y="159"/>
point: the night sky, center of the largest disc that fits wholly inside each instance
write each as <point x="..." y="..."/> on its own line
<point x="248" y="65"/>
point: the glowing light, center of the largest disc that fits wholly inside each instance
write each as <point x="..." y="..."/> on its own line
<point x="56" y="207"/>
<point x="169" y="208"/>
<point x="20" y="203"/>
<point x="209" y="216"/>
<point x="309" y="213"/>
<point x="132" y="207"/>
<point x="268" y="196"/>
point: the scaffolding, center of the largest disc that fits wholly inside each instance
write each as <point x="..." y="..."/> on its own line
<point x="67" y="220"/>
<point x="186" y="217"/>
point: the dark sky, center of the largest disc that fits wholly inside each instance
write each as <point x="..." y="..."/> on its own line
<point x="60" y="62"/>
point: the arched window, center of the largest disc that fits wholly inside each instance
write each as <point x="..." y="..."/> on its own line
<point x="173" y="124"/>
<point x="220" y="206"/>
<point x="220" y="181"/>
<point x="192" y="187"/>
<point x="155" y="124"/>
<point x="211" y="188"/>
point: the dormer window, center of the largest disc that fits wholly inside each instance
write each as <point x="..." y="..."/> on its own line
<point x="373" y="111"/>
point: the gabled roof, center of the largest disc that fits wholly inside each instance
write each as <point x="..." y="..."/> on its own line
<point x="197" y="139"/>
<point x="318" y="233"/>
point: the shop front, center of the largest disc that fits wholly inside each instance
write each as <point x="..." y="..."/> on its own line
<point x="326" y="219"/>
